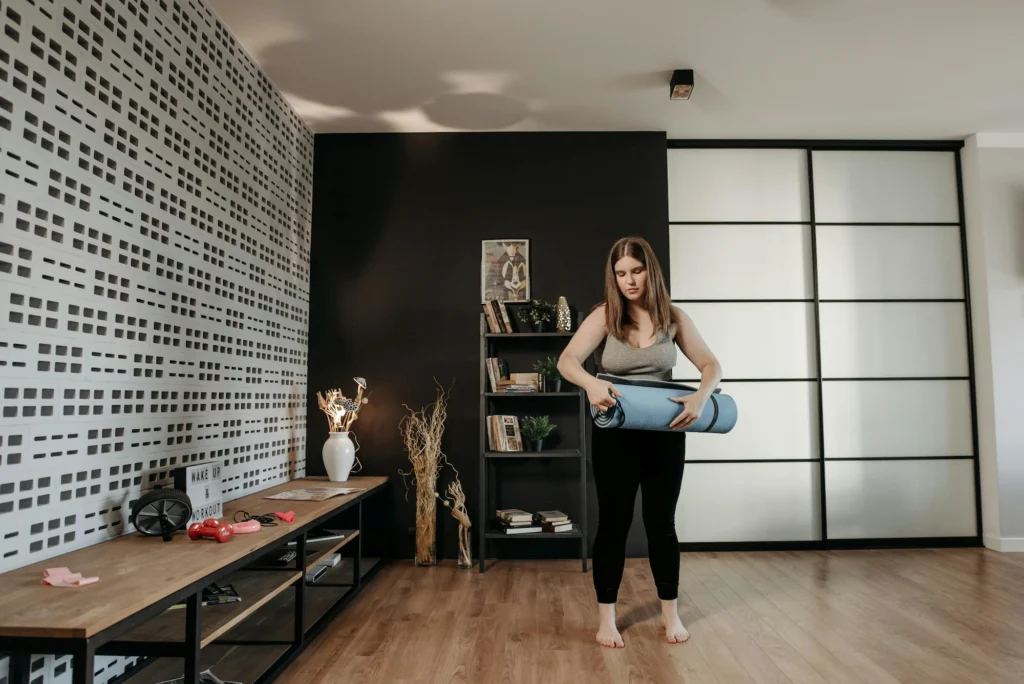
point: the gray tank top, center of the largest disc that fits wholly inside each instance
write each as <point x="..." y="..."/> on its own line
<point x="654" y="362"/>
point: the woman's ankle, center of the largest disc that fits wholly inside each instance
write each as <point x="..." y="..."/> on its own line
<point x="606" y="612"/>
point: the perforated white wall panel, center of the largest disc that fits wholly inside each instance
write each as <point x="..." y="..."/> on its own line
<point x="155" y="194"/>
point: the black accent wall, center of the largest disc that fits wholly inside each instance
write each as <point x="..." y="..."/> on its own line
<point x="395" y="284"/>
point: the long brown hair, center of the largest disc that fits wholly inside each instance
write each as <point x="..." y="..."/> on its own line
<point x="656" y="299"/>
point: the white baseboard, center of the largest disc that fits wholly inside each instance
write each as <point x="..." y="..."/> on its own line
<point x="1005" y="544"/>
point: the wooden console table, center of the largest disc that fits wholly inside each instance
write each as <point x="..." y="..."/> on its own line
<point x="126" y="612"/>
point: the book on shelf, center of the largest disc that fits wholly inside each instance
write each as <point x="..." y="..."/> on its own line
<point x="521" y="529"/>
<point x="498" y="320"/>
<point x="503" y="433"/>
<point x="515" y="525"/>
<point x="505" y="318"/>
<point x="316" y="573"/>
<point x="519" y="382"/>
<point x="501" y="380"/>
<point x="214" y="595"/>
<point x="492" y="322"/>
<point x="516" y="521"/>
<point x="514" y="515"/>
<point x="553" y="517"/>
<point x="497" y="372"/>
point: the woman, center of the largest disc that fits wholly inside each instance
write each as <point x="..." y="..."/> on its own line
<point x="635" y="333"/>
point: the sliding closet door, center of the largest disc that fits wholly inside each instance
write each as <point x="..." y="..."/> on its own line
<point x="777" y="253"/>
<point x="896" y="400"/>
<point x="741" y="268"/>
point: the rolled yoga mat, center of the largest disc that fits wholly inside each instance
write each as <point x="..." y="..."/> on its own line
<point x="647" y="405"/>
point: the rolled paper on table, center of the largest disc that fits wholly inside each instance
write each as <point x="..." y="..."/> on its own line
<point x="647" y="405"/>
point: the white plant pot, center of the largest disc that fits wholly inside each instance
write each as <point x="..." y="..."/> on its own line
<point x="339" y="456"/>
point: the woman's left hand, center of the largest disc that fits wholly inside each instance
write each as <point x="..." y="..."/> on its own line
<point x="693" y="407"/>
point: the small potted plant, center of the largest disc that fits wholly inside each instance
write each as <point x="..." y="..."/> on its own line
<point x="536" y="429"/>
<point x="538" y="313"/>
<point x="548" y="368"/>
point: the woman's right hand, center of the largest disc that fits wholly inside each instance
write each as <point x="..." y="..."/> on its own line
<point x="602" y="393"/>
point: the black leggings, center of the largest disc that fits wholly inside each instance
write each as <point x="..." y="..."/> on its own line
<point x="624" y="460"/>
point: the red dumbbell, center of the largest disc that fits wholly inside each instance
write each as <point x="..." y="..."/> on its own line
<point x="211" y="528"/>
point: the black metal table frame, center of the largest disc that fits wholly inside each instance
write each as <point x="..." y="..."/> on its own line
<point x="104" y="643"/>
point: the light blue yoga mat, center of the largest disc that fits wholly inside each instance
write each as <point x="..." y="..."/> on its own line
<point x="646" y="405"/>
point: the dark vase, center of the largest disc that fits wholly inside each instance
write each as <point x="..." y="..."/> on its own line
<point x="540" y="326"/>
<point x="554" y="385"/>
<point x="537" y="444"/>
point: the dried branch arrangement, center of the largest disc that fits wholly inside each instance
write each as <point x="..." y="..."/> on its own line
<point x="342" y="411"/>
<point x="421" y="432"/>
<point x="457" y="503"/>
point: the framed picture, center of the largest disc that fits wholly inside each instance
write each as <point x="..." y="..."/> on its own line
<point x="505" y="270"/>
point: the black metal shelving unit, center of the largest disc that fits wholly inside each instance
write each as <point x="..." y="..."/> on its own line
<point x="489" y="460"/>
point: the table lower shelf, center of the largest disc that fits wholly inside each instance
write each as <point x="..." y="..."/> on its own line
<point x="256" y="587"/>
<point x="229" y="663"/>
<point x="252" y="645"/>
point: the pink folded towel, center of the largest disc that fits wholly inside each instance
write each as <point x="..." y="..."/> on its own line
<point x="62" y="577"/>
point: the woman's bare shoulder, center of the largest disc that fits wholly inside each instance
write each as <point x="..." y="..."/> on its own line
<point x="596" y="320"/>
<point x="678" y="315"/>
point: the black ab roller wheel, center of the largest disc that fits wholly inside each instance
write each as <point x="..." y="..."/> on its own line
<point x="161" y="513"/>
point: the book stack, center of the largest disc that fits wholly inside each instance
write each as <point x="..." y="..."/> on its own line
<point x="516" y="521"/>
<point x="501" y="380"/>
<point x="520" y="382"/>
<point x="553" y="521"/>
<point x="503" y="433"/>
<point x="498" y="320"/>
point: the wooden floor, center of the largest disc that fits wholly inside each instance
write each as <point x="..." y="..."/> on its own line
<point x="850" y="617"/>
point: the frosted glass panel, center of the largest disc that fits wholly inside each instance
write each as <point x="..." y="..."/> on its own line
<point x="771" y="340"/>
<point x="737" y="185"/>
<point x="881" y="187"/>
<point x="893" y="340"/>
<point x="882" y="419"/>
<point x="760" y="431"/>
<point x="889" y="262"/>
<point x="746" y="502"/>
<point x="740" y="262"/>
<point x="869" y="499"/>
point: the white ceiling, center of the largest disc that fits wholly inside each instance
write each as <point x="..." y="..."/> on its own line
<point x="764" y="68"/>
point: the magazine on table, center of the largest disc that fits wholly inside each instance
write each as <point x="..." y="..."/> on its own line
<point x="205" y="677"/>
<point x="315" y="493"/>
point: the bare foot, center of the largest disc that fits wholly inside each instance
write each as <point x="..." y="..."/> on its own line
<point x="675" y="633"/>
<point x="608" y="635"/>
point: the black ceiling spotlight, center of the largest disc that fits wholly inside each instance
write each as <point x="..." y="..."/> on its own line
<point x="681" y="84"/>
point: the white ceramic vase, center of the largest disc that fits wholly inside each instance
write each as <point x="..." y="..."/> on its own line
<point x="339" y="456"/>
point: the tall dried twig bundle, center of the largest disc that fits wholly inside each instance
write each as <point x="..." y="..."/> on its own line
<point x="421" y="432"/>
